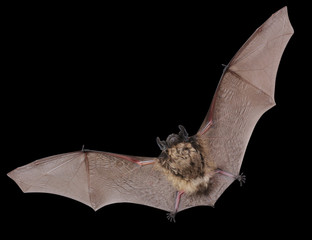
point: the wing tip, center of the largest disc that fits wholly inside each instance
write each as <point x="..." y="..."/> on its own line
<point x="14" y="176"/>
<point x="283" y="13"/>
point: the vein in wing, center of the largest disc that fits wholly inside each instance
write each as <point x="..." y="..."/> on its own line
<point x="70" y="181"/>
<point x="61" y="165"/>
<point x="39" y="181"/>
<point x="246" y="55"/>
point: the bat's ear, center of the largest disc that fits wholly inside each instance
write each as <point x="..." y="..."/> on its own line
<point x="183" y="133"/>
<point x="161" y="144"/>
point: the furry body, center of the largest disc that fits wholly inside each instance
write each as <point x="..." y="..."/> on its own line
<point x="184" y="164"/>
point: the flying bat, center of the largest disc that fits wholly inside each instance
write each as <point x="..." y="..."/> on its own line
<point x="190" y="170"/>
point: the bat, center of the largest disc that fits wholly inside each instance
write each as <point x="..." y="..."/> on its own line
<point x="190" y="170"/>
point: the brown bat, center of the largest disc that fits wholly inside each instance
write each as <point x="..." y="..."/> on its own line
<point x="199" y="167"/>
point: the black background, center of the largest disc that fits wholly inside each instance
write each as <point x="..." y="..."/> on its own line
<point x="114" y="77"/>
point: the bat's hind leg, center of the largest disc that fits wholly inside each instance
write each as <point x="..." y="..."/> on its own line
<point x="171" y="215"/>
<point x="241" y="177"/>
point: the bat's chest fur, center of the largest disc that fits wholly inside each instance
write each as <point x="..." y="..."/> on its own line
<point x="185" y="167"/>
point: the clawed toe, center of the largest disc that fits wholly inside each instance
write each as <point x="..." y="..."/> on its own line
<point x="171" y="216"/>
<point x="241" y="178"/>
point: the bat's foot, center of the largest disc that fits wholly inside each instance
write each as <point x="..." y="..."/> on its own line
<point x="171" y="216"/>
<point x="241" y="178"/>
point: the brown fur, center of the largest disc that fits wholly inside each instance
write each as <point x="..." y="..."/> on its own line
<point x="185" y="166"/>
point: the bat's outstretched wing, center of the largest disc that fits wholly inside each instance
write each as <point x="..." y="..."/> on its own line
<point x="97" y="179"/>
<point x="244" y="93"/>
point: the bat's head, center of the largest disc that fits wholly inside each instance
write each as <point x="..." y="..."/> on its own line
<point x="182" y="162"/>
<point x="181" y="156"/>
<point x="173" y="139"/>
